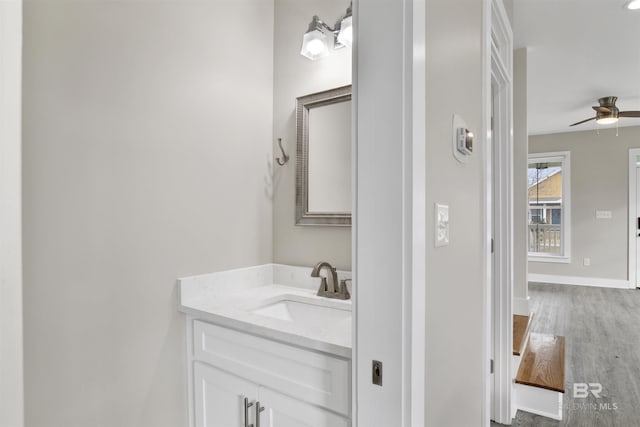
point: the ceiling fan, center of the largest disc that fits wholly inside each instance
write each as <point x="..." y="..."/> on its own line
<point x="607" y="112"/>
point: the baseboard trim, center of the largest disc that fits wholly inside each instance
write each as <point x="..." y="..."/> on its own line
<point x="580" y="281"/>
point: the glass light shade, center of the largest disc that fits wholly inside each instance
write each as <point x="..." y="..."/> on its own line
<point x="345" y="36"/>
<point x="607" y="120"/>
<point x="314" y="45"/>
<point x="633" y="5"/>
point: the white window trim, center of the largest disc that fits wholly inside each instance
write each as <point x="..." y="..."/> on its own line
<point x="540" y="257"/>
<point x="565" y="158"/>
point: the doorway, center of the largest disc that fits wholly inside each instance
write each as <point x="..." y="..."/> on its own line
<point x="499" y="202"/>
<point x="634" y="217"/>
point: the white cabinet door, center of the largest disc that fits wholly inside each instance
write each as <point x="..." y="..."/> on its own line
<point x="284" y="411"/>
<point x="219" y="398"/>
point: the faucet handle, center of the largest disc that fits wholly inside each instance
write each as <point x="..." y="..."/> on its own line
<point x="344" y="290"/>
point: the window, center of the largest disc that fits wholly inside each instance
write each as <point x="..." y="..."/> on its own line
<point x="549" y="210"/>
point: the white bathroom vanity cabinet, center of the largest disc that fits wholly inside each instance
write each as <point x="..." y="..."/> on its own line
<point x="274" y="370"/>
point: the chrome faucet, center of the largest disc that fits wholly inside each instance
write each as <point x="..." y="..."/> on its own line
<point x="329" y="285"/>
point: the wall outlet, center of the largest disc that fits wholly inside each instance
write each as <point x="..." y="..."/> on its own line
<point x="604" y="215"/>
<point x="586" y="262"/>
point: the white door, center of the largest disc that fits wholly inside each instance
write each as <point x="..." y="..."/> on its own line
<point x="220" y="398"/>
<point x="637" y="224"/>
<point x="284" y="411"/>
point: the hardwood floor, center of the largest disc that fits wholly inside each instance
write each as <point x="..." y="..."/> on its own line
<point x="521" y="326"/>
<point x="602" y="331"/>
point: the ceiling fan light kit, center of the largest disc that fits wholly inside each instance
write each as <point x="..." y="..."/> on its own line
<point x="607" y="113"/>
<point x="607" y="120"/>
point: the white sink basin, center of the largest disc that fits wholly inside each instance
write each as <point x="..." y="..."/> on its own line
<point x="305" y="313"/>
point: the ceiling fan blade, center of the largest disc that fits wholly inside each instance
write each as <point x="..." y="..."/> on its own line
<point x="584" y="121"/>
<point x="601" y="109"/>
<point x="629" y="114"/>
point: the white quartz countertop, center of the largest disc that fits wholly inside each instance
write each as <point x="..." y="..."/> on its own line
<point x="228" y="300"/>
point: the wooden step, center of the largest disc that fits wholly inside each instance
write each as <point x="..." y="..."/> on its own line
<point x="542" y="363"/>
<point x="521" y="326"/>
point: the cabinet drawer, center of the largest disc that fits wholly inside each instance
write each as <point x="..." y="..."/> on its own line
<point x="313" y="377"/>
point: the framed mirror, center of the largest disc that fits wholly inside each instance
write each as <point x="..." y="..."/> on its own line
<point x="323" y="166"/>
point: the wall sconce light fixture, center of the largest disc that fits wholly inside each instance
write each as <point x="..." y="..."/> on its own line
<point x="315" y="40"/>
<point x="633" y="5"/>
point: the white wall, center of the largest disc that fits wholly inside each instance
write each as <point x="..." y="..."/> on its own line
<point x="147" y="137"/>
<point x="11" y="363"/>
<point x="454" y="294"/>
<point x="599" y="180"/>
<point x="295" y="76"/>
<point x="520" y="161"/>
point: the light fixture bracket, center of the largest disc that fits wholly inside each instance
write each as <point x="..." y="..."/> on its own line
<point x="318" y="24"/>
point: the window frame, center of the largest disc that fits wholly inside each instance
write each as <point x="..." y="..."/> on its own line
<point x="564" y="157"/>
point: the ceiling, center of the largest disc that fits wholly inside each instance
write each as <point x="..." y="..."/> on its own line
<point x="578" y="51"/>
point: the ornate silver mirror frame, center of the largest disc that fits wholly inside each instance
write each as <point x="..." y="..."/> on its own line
<point x="304" y="105"/>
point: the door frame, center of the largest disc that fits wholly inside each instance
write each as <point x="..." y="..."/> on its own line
<point x="415" y="347"/>
<point x="498" y="69"/>
<point x="11" y="329"/>
<point x="632" y="236"/>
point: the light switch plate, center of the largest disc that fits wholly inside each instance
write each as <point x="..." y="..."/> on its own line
<point x="442" y="225"/>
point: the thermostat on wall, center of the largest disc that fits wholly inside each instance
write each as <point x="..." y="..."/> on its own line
<point x="462" y="140"/>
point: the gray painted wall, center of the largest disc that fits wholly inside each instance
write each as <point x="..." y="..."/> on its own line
<point x="599" y="180"/>
<point x="296" y="76"/>
<point x="520" y="161"/>
<point x="454" y="293"/>
<point x="147" y="136"/>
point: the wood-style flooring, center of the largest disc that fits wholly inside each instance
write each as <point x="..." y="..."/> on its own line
<point x="521" y="326"/>
<point x="602" y="331"/>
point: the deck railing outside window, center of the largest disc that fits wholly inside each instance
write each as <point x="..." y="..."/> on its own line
<point x="545" y="238"/>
